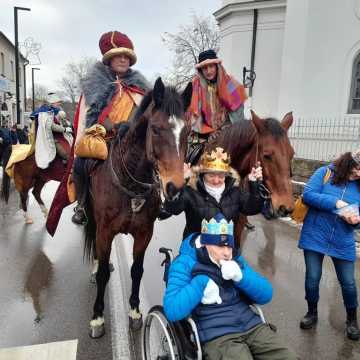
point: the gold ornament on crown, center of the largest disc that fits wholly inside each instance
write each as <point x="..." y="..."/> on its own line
<point x="215" y="161"/>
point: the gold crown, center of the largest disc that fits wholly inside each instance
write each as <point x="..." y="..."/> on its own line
<point x="215" y="161"/>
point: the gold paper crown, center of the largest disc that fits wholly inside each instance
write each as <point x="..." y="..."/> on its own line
<point x="216" y="161"/>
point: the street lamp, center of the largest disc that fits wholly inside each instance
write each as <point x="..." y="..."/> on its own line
<point x="33" y="88"/>
<point x="16" y="8"/>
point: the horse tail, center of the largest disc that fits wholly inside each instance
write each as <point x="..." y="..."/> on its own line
<point x="5" y="186"/>
<point x="90" y="230"/>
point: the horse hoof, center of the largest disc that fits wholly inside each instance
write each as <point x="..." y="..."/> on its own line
<point x="97" y="328"/>
<point x="135" y="324"/>
<point x="93" y="278"/>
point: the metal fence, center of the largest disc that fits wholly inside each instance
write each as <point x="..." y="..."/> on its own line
<point x="324" y="138"/>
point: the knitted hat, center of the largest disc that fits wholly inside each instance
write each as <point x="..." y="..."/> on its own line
<point x="215" y="161"/>
<point x="116" y="43"/>
<point x="217" y="232"/>
<point x="207" y="57"/>
<point x="53" y="98"/>
<point x="356" y="156"/>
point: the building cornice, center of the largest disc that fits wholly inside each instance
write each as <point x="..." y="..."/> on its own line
<point x="239" y="7"/>
<point x="12" y="45"/>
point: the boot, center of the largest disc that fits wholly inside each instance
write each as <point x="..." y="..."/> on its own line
<point x="311" y="317"/>
<point x="352" y="328"/>
<point x="79" y="217"/>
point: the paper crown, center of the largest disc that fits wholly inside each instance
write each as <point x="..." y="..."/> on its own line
<point x="217" y="231"/>
<point x="215" y="161"/>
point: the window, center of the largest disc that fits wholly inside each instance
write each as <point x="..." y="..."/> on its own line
<point x="2" y="64"/>
<point x="354" y="106"/>
<point x="12" y="78"/>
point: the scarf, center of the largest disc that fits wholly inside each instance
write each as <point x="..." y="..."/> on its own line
<point x="215" y="192"/>
<point x="211" y="102"/>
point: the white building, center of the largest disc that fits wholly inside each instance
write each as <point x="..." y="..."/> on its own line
<point x="7" y="82"/>
<point x="307" y="53"/>
<point x="306" y="57"/>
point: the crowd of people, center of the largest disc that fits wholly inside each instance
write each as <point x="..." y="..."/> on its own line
<point x="14" y="134"/>
<point x="209" y="279"/>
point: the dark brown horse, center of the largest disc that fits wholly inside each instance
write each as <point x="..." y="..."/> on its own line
<point x="263" y="140"/>
<point x="125" y="189"/>
<point x="28" y="175"/>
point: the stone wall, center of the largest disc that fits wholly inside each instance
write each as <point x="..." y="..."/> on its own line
<point x="302" y="169"/>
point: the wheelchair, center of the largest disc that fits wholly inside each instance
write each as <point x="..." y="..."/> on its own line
<point x="178" y="340"/>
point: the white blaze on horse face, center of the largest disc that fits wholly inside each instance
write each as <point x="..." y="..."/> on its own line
<point x="177" y="125"/>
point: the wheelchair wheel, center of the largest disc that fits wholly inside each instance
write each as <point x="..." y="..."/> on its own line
<point x="159" y="340"/>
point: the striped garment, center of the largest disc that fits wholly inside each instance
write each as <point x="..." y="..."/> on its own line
<point x="210" y="103"/>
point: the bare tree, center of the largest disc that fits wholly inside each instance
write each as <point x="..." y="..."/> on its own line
<point x="74" y="72"/>
<point x="201" y="34"/>
<point x="41" y="93"/>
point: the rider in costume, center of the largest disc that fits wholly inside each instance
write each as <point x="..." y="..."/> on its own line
<point x="52" y="137"/>
<point x="111" y="92"/>
<point x="217" y="100"/>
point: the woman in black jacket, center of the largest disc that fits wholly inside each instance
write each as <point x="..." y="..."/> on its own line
<point x="215" y="191"/>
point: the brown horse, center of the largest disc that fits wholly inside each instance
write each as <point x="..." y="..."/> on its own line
<point x="125" y="189"/>
<point x="28" y="175"/>
<point x="263" y="140"/>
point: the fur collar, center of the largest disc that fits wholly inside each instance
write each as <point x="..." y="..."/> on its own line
<point x="99" y="88"/>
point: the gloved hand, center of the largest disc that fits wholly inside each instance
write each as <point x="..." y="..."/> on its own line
<point x="68" y="129"/>
<point x="230" y="270"/>
<point x="211" y="294"/>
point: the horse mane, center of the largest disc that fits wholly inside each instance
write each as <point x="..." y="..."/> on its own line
<point x="273" y="126"/>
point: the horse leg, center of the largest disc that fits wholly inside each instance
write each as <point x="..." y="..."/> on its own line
<point x="141" y="242"/>
<point x="39" y="184"/>
<point x="24" y="201"/>
<point x="103" y="249"/>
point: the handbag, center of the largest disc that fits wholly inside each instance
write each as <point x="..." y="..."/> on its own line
<point x="300" y="208"/>
<point x="92" y="144"/>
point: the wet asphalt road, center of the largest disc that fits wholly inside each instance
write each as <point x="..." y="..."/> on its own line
<point x="45" y="292"/>
<point x="272" y="250"/>
<point x="46" y="296"/>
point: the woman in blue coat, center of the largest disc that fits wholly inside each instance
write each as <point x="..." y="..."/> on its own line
<point x="325" y="232"/>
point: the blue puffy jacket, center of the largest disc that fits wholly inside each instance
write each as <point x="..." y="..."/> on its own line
<point x="324" y="231"/>
<point x="187" y="281"/>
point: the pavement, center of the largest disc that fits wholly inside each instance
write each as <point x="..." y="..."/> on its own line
<point x="46" y="295"/>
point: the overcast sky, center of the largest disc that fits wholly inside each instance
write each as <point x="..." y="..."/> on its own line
<point x="70" y="29"/>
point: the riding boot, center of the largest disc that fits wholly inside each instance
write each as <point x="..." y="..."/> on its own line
<point x="311" y="317"/>
<point x="352" y="327"/>
<point x="79" y="217"/>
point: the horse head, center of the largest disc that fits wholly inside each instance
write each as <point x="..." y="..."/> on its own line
<point x="275" y="153"/>
<point x="165" y="115"/>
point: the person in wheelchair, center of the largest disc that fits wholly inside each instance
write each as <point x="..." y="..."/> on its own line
<point x="213" y="191"/>
<point x="211" y="282"/>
